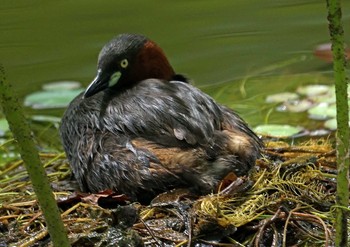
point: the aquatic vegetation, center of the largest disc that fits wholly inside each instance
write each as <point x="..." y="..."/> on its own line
<point x="289" y="198"/>
<point x="53" y="95"/>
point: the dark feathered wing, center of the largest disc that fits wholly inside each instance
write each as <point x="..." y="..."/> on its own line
<point x="168" y="113"/>
<point x="150" y="135"/>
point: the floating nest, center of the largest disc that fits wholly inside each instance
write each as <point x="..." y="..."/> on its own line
<point x="287" y="201"/>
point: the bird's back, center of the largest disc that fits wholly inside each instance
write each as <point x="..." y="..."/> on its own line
<point x="155" y="136"/>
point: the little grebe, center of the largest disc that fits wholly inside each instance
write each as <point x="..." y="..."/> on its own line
<point x="141" y="129"/>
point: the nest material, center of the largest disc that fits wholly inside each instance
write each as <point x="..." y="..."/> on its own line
<point x="288" y="200"/>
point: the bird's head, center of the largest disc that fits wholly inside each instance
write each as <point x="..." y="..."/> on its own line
<point x="126" y="60"/>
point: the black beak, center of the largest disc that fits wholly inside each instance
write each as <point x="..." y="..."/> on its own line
<point x="97" y="85"/>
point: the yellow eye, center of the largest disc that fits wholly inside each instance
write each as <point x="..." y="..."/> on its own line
<point x="124" y="63"/>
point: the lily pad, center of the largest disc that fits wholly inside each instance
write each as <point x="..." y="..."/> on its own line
<point x="322" y="111"/>
<point x="296" y="105"/>
<point x="277" y="130"/>
<point x="311" y="90"/>
<point x="281" y="97"/>
<point x="324" y="98"/>
<point x="331" y="124"/>
<point x="51" y="99"/>
<point x="3" y="127"/>
<point x="324" y="52"/>
<point x="43" y="118"/>
<point x="61" y="85"/>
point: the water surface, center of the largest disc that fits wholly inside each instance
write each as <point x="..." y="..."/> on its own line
<point x="212" y="42"/>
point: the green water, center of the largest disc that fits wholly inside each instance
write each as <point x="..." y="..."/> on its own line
<point x="220" y="43"/>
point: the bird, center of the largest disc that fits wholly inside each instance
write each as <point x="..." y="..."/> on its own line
<point x="141" y="129"/>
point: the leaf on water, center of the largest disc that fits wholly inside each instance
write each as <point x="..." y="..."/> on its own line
<point x="324" y="52"/>
<point x="44" y="118"/>
<point x="277" y="130"/>
<point x="54" y="95"/>
<point x="324" y="98"/>
<point x="311" y="90"/>
<point x="322" y="111"/>
<point x="331" y="124"/>
<point x="281" y="97"/>
<point x="296" y="106"/>
<point x="61" y="85"/>
<point x="51" y="99"/>
<point x="3" y="127"/>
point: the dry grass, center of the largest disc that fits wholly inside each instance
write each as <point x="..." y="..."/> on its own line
<point x="287" y="201"/>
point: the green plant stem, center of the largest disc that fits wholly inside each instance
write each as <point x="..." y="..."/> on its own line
<point x="339" y="64"/>
<point x="22" y="133"/>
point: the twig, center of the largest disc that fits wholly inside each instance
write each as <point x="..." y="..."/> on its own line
<point x="150" y="231"/>
<point x="265" y="224"/>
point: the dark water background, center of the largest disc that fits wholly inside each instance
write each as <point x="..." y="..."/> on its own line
<point x="218" y="44"/>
